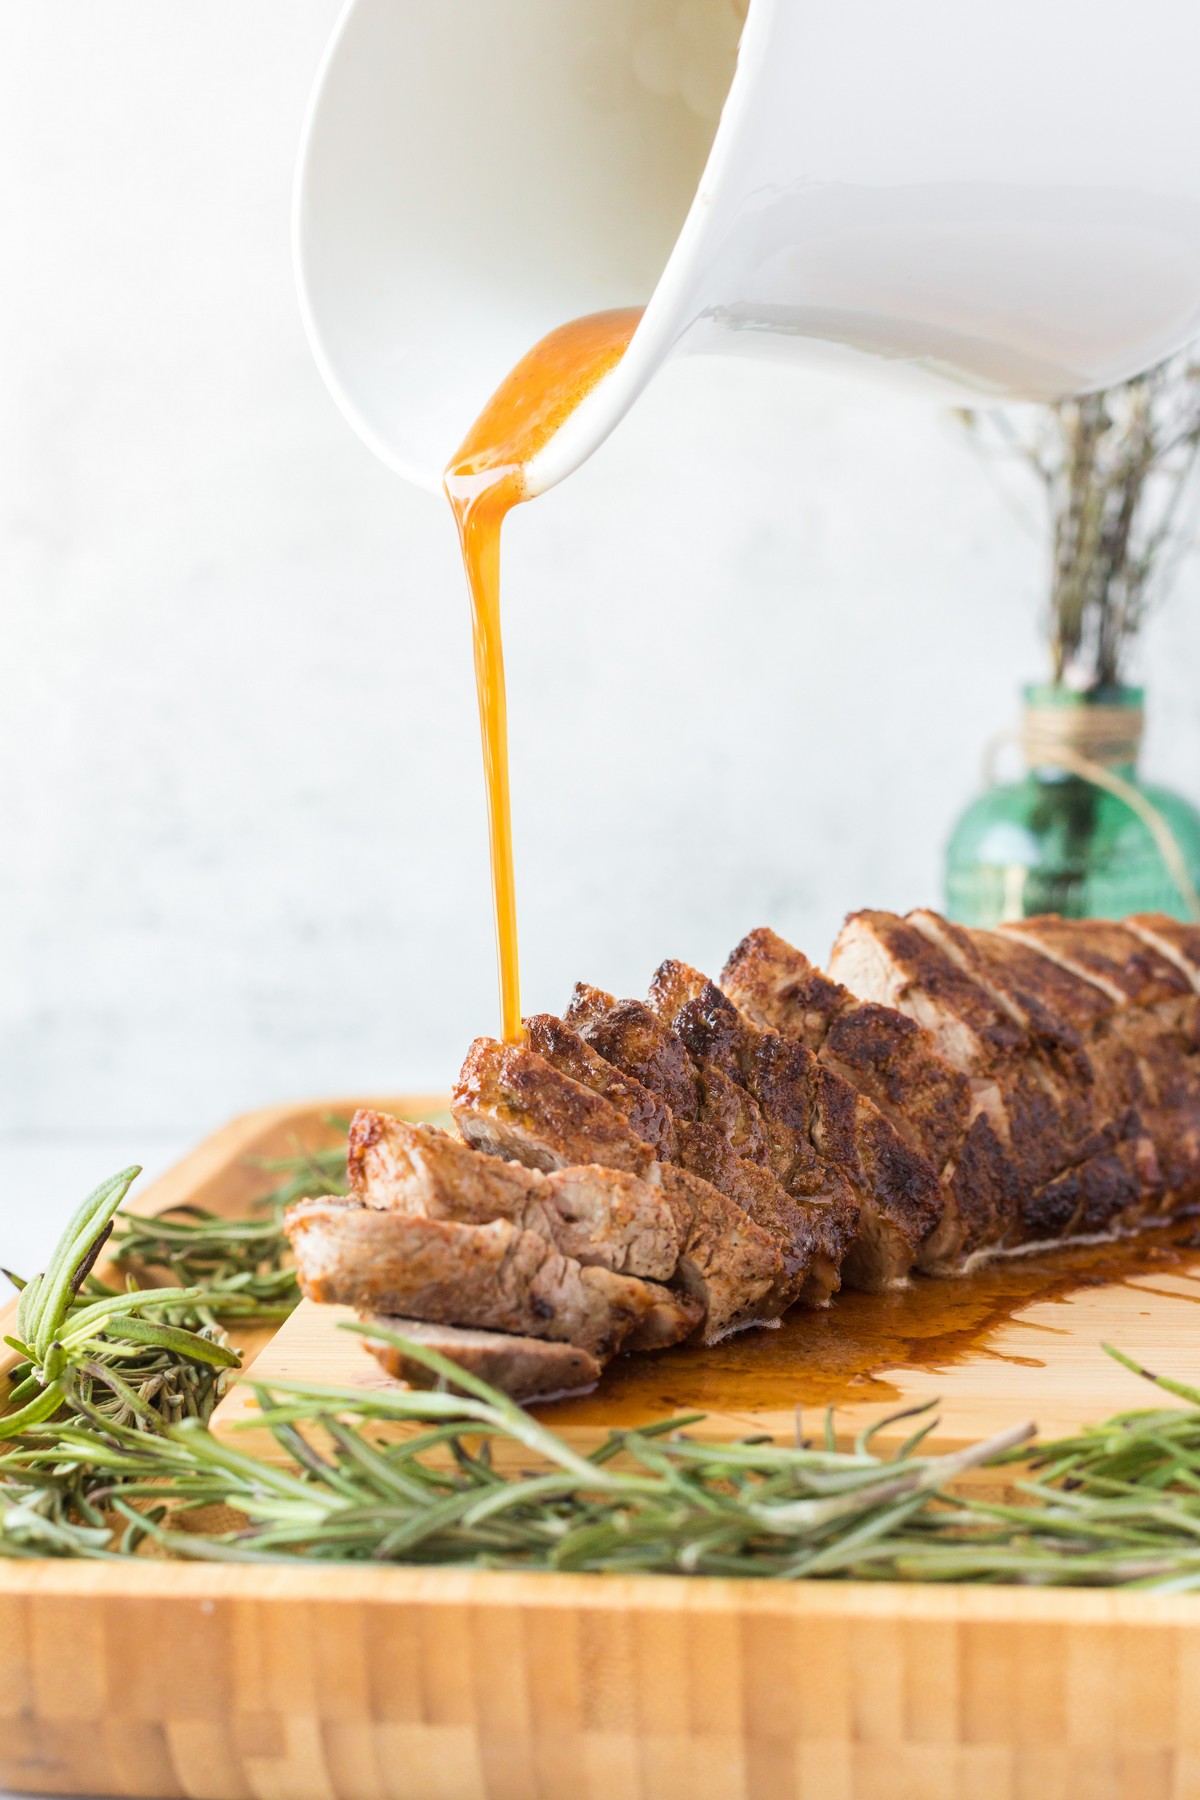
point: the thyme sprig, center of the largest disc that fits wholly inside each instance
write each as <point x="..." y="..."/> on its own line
<point x="72" y="1347"/>
<point x="1118" y="471"/>
<point x="243" y="1265"/>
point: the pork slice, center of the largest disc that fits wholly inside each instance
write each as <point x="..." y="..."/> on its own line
<point x="810" y="1110"/>
<point x="1097" y="1198"/>
<point x="887" y="1056"/>
<point x="587" y="1004"/>
<point x="495" y="1276"/>
<point x="1124" y="965"/>
<point x="729" y="1265"/>
<point x="628" y="1035"/>
<point x="885" y="959"/>
<point x="881" y="957"/>
<point x="510" y="1102"/>
<point x="1136" y="1096"/>
<point x="744" y="1216"/>
<point x="812" y="1231"/>
<point x="1078" y="1101"/>
<point x="525" y="1368"/>
<point x="598" y="1216"/>
<point x="985" y="1192"/>
<point x="634" y="1039"/>
<point x="613" y="1220"/>
<point x="416" y="1168"/>
<point x="776" y="987"/>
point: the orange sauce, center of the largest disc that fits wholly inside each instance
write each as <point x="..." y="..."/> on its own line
<point x="484" y="481"/>
<point x="846" y="1355"/>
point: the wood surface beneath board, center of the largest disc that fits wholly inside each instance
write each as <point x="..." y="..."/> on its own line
<point x="350" y="1683"/>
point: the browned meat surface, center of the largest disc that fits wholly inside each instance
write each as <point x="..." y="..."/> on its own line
<point x="881" y="957"/>
<point x="564" y="1049"/>
<point x="1079" y="1040"/>
<point x="881" y="1052"/>
<point x="510" y="1102"/>
<point x="636" y="1175"/>
<point x="418" y="1169"/>
<point x="1126" y="967"/>
<point x="812" y="1224"/>
<point x="525" y="1367"/>
<point x="809" y="1111"/>
<point x="890" y="960"/>
<point x="628" y="1035"/>
<point x="1143" y="1047"/>
<point x="1050" y="1090"/>
<point x="812" y="1231"/>
<point x="493" y="1276"/>
<point x="1093" y="1199"/>
<point x="618" y="1221"/>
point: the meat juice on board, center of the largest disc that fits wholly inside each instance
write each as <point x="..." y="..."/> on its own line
<point x="485" y="479"/>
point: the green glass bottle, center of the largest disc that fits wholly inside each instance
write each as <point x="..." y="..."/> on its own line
<point x="1056" y="841"/>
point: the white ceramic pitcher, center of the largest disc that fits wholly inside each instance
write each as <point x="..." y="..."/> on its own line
<point x="998" y="196"/>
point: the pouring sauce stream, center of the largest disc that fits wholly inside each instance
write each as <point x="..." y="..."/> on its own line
<point x="485" y="479"/>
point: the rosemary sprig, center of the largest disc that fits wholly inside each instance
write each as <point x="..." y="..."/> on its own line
<point x="109" y="1451"/>
<point x="242" y="1264"/>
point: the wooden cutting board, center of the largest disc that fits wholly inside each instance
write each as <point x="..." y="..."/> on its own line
<point x="1021" y="1340"/>
<point x="337" y="1683"/>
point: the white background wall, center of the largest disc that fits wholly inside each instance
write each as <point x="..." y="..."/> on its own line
<point x="754" y="648"/>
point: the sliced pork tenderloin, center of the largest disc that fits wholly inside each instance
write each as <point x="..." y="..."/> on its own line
<point x="646" y="1111"/>
<point x="1025" y="1034"/>
<point x="729" y="1265"/>
<point x="1172" y="938"/>
<point x="1108" y="1070"/>
<point x="675" y="1314"/>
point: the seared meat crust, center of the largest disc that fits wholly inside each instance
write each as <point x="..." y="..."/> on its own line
<point x="510" y="1102"/>
<point x="812" y="1114"/>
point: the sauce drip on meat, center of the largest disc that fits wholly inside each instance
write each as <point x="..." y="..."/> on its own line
<point x="485" y="479"/>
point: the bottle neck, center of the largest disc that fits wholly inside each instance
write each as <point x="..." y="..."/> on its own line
<point x="1053" y="738"/>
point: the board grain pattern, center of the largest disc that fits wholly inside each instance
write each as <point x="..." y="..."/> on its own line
<point x="228" y="1683"/>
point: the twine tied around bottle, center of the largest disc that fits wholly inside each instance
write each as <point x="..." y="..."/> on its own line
<point x="1087" y="741"/>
